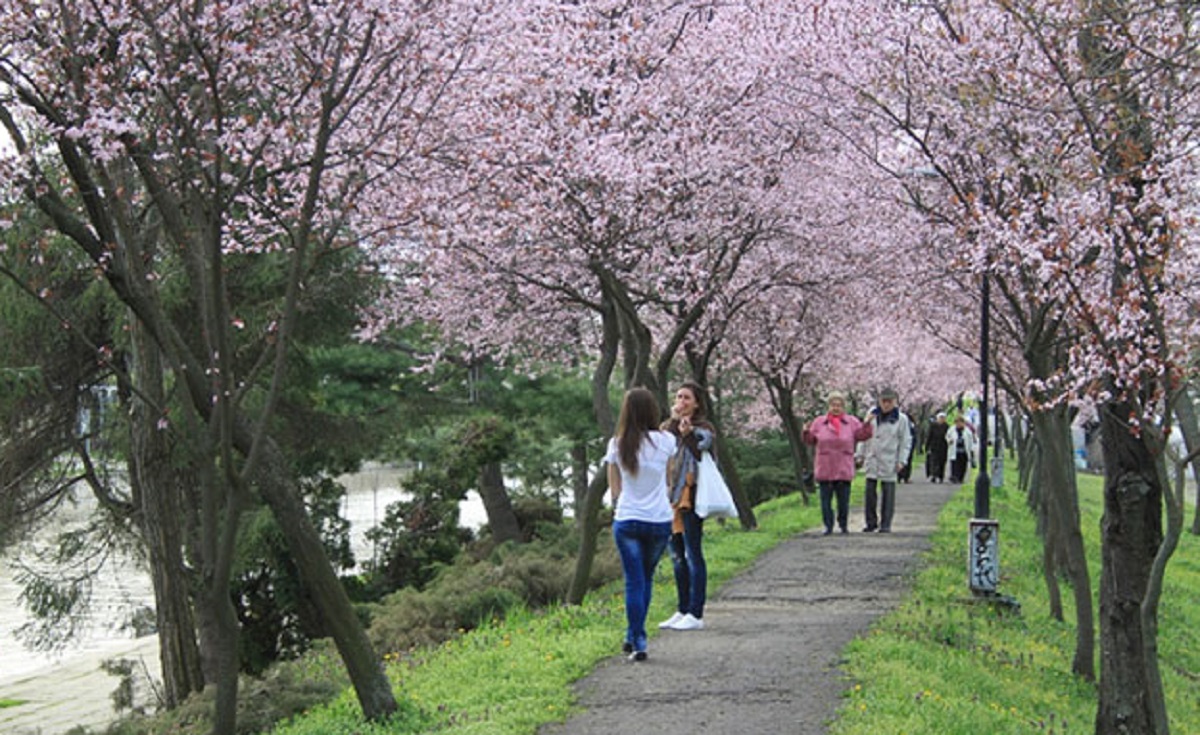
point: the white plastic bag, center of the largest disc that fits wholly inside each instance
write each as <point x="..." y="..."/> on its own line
<point x="713" y="499"/>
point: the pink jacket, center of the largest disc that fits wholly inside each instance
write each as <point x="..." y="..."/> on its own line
<point x="835" y="449"/>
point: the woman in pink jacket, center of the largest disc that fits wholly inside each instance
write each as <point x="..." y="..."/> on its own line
<point x="834" y="435"/>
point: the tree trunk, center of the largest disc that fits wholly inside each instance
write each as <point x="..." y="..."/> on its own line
<point x="1018" y="438"/>
<point x="1060" y="495"/>
<point x="729" y="471"/>
<point x="157" y="487"/>
<point x="501" y="519"/>
<point x="589" y="529"/>
<point x="1189" y="426"/>
<point x="225" y="658"/>
<point x="579" y="480"/>
<point x="588" y="516"/>
<point x="801" y="462"/>
<point x="1131" y="532"/>
<point x="1196" y="512"/>
<point x="274" y="480"/>
<point x="1031" y="480"/>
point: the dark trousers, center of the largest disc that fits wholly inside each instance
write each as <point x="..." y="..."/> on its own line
<point x="958" y="468"/>
<point x="839" y="489"/>
<point x="935" y="465"/>
<point x="691" y="572"/>
<point x="879" y="515"/>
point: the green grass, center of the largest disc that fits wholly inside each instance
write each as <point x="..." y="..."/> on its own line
<point x="511" y="676"/>
<point x="937" y="664"/>
<point x="5" y="702"/>
<point x="941" y="664"/>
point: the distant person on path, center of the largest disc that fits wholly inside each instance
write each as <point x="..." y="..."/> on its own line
<point x="883" y="456"/>
<point x="935" y="449"/>
<point x="695" y="435"/>
<point x="637" y="460"/>
<point x="905" y="474"/>
<point x="834" y="435"/>
<point x="960" y="448"/>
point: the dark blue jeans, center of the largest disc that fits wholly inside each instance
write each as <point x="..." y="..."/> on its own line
<point x="641" y="545"/>
<point x="830" y="489"/>
<point x="691" y="573"/>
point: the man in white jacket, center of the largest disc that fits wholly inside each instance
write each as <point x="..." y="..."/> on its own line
<point x="883" y="456"/>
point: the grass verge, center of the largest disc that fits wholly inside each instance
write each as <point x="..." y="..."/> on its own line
<point x="939" y="663"/>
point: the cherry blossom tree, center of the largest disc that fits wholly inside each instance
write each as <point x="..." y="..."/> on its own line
<point x="1057" y="135"/>
<point x="174" y="144"/>
<point x="622" y="165"/>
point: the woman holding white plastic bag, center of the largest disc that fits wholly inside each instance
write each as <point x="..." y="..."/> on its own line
<point x="696" y="436"/>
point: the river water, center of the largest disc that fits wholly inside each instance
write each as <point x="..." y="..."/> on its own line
<point x="63" y="688"/>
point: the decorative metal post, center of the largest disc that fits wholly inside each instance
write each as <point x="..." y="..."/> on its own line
<point x="983" y="566"/>
<point x="982" y="484"/>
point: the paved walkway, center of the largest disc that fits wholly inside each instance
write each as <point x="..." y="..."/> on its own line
<point x="767" y="660"/>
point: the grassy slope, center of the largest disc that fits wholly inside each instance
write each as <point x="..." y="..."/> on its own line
<point x="937" y="664"/>
<point x="940" y="664"/>
<point x="508" y="677"/>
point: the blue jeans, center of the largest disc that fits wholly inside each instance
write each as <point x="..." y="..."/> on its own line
<point x="830" y="489"/>
<point x="641" y="544"/>
<point x="691" y="573"/>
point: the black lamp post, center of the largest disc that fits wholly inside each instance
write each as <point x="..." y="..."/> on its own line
<point x="982" y="482"/>
<point x="984" y="533"/>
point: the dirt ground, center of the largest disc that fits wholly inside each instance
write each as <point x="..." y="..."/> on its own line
<point x="768" y="658"/>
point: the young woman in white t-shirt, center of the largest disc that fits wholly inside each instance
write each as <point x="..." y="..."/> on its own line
<point x="637" y="478"/>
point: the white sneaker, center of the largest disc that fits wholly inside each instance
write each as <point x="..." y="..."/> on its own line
<point x="688" y="622"/>
<point x="671" y="621"/>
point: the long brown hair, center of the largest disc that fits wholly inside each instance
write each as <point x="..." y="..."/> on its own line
<point x="639" y="416"/>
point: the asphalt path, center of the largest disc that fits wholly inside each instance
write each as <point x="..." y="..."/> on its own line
<point x="768" y="659"/>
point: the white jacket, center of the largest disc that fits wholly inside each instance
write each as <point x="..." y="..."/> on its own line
<point x="968" y="438"/>
<point x="887" y="450"/>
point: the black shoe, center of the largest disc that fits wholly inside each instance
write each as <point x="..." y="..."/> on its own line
<point x="845" y="530"/>
<point x="627" y="647"/>
<point x="637" y="656"/>
<point x="868" y="529"/>
<point x="885" y="530"/>
<point x="827" y="531"/>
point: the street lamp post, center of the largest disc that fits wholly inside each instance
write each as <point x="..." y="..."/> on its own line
<point x="982" y="483"/>
<point x="983" y="566"/>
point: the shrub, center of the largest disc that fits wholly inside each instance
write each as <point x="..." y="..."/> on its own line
<point x="766" y="483"/>
<point x="469" y="592"/>
<point x="286" y="689"/>
<point x="539" y="518"/>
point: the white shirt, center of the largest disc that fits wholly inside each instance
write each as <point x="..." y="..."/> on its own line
<point x="644" y="495"/>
